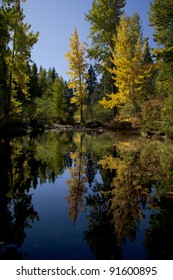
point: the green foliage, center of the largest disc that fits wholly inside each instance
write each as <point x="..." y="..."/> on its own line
<point x="91" y="84"/>
<point x="96" y="113"/>
<point x="129" y="70"/>
<point x="42" y="80"/>
<point x="4" y="53"/>
<point x="34" y="88"/>
<point x="104" y="16"/>
<point x="161" y="18"/>
<point x="60" y="111"/>
<point x="151" y="114"/>
<point x="48" y="98"/>
<point x="131" y="86"/>
<point x="15" y="58"/>
<point x="43" y="112"/>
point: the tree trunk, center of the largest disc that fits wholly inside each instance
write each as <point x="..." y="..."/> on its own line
<point x="81" y="114"/>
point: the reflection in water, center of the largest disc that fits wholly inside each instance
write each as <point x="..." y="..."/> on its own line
<point x="158" y="237"/>
<point x="16" y="209"/>
<point x="127" y="190"/>
<point x="100" y="234"/>
<point x="76" y="183"/>
<point x="111" y="185"/>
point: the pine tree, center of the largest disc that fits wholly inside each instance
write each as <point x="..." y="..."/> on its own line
<point x="161" y="18"/>
<point x="34" y="89"/>
<point x="42" y="80"/>
<point x="104" y="17"/>
<point x="91" y="84"/>
<point x="77" y="71"/>
<point x="4" y="53"/>
<point x="59" y="100"/>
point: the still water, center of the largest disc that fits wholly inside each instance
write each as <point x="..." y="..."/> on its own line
<point x="76" y="195"/>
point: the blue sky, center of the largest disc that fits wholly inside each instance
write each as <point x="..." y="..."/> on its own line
<point x="55" y="20"/>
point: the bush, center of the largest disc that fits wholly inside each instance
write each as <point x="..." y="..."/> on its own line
<point x="96" y="113"/>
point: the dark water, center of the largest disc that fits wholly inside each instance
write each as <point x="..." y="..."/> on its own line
<point x="68" y="195"/>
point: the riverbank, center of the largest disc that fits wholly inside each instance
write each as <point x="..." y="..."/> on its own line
<point x="15" y="130"/>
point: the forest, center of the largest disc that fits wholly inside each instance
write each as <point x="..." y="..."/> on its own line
<point x="118" y="82"/>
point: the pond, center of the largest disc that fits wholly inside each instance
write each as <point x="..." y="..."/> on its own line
<point x="86" y="195"/>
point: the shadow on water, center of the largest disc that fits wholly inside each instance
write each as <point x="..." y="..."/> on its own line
<point x="76" y="195"/>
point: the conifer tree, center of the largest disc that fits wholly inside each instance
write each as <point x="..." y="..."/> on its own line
<point x="59" y="105"/>
<point x="91" y="84"/>
<point x="129" y="70"/>
<point x="104" y="16"/>
<point x="4" y="53"/>
<point x="34" y="89"/>
<point x="77" y="71"/>
<point x="42" y="80"/>
<point x="161" y="18"/>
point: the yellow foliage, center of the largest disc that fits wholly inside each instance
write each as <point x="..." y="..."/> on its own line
<point x="77" y="69"/>
<point x="129" y="71"/>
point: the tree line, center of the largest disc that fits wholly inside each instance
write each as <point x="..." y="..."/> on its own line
<point x="127" y="82"/>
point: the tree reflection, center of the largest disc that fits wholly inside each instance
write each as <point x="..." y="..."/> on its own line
<point x="77" y="181"/>
<point x="114" y="183"/>
<point x="100" y="234"/>
<point x="82" y="166"/>
<point x="137" y="168"/>
<point x="158" y="237"/>
<point x="126" y="192"/>
<point x="90" y="172"/>
<point x="16" y="209"/>
<point x="50" y="151"/>
<point x="22" y="162"/>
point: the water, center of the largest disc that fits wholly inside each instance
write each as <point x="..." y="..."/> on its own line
<point x="76" y="195"/>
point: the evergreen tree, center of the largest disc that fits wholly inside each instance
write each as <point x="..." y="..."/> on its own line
<point x="91" y="84"/>
<point x="71" y="106"/>
<point x="77" y="71"/>
<point x="147" y="53"/>
<point x="42" y="80"/>
<point x="4" y="53"/>
<point x="50" y="78"/>
<point x="59" y="100"/>
<point x="104" y="17"/>
<point x="161" y="18"/>
<point x="34" y="89"/>
<point x="51" y="75"/>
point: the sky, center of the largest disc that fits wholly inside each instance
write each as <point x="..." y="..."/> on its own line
<point x="55" y="20"/>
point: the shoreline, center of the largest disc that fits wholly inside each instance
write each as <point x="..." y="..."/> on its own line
<point x="22" y="131"/>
